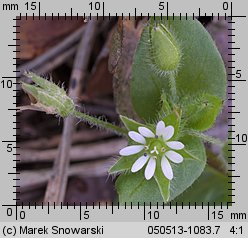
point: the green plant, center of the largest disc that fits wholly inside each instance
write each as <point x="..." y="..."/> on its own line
<point x="178" y="86"/>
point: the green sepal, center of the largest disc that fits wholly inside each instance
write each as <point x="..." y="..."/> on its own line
<point x="130" y="124"/>
<point x="174" y="119"/>
<point x="165" y="52"/>
<point x="162" y="182"/>
<point x="123" y="164"/>
<point x="48" y="97"/>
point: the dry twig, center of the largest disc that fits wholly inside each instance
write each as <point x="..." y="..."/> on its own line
<point x="31" y="180"/>
<point x="91" y="151"/>
<point x="82" y="136"/>
<point x="52" y="53"/>
<point x="58" y="180"/>
<point x="57" y="61"/>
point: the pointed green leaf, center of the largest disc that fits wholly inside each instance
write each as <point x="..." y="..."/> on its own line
<point x="133" y="187"/>
<point x="191" y="168"/>
<point x="200" y="114"/>
<point x="211" y="187"/>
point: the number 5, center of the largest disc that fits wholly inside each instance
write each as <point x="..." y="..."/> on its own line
<point x="161" y="6"/>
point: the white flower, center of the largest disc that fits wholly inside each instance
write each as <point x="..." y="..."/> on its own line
<point x="154" y="146"/>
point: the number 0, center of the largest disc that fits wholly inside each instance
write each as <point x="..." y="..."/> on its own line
<point x="9" y="212"/>
<point x="225" y="6"/>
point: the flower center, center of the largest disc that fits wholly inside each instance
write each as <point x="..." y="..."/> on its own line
<point x="155" y="147"/>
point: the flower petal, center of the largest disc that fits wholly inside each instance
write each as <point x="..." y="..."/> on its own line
<point x="168" y="132"/>
<point x="160" y="128"/>
<point x="139" y="163"/>
<point x="174" y="156"/>
<point x="131" y="150"/>
<point x="135" y="136"/>
<point x="175" y="145"/>
<point x="150" y="168"/>
<point x="166" y="168"/>
<point x="146" y="132"/>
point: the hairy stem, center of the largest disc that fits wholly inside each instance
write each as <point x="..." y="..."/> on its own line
<point x="173" y="87"/>
<point x="99" y="123"/>
<point x="218" y="162"/>
<point x="205" y="137"/>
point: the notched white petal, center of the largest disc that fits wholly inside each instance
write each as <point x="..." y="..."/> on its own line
<point x="168" y="132"/>
<point x="135" y="136"/>
<point x="131" y="150"/>
<point x="175" y="145"/>
<point x="166" y="168"/>
<point x="139" y="163"/>
<point x="174" y="156"/>
<point x="160" y="128"/>
<point x="146" y="132"/>
<point x="150" y="168"/>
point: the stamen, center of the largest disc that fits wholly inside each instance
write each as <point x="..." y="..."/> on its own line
<point x="155" y="150"/>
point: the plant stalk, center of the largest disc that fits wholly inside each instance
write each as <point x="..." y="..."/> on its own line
<point x="93" y="121"/>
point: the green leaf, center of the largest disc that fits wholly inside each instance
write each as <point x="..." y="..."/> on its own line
<point x="227" y="149"/>
<point x="191" y="168"/>
<point x="200" y="114"/>
<point x="200" y="71"/>
<point x="212" y="187"/>
<point x="133" y="187"/>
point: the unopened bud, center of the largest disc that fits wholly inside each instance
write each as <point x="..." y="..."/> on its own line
<point x="48" y="97"/>
<point x="165" y="52"/>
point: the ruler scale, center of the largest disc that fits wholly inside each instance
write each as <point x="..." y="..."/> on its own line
<point x="110" y="220"/>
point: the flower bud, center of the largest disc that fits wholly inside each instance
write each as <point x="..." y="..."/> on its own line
<point x="165" y="52"/>
<point x="48" y="97"/>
